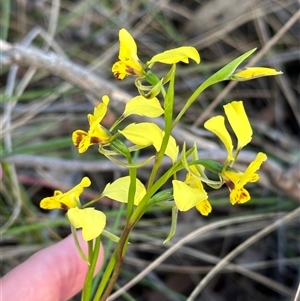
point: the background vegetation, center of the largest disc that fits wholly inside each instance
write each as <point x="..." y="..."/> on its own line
<point x="55" y="66"/>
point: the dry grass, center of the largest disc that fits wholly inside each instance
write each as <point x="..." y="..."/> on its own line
<point x="55" y="66"/>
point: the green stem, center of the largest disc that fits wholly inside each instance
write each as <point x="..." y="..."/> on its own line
<point x="119" y="256"/>
<point x="168" y="115"/>
<point x="93" y="256"/>
<point x="191" y="99"/>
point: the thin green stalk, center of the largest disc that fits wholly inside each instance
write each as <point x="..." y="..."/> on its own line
<point x="117" y="258"/>
<point x="168" y="115"/>
<point x="120" y="252"/>
<point x="108" y="247"/>
<point x="108" y="271"/>
<point x="93" y="251"/>
<point x="191" y="99"/>
<point x="131" y="191"/>
<point x="122" y="149"/>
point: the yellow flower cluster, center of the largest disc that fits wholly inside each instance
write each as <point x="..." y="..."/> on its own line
<point x="188" y="193"/>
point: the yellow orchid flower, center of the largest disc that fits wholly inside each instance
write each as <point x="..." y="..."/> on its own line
<point x="146" y="133"/>
<point x="90" y="220"/>
<point x="97" y="134"/>
<point x="254" y="72"/>
<point x="240" y="124"/>
<point x="236" y="180"/>
<point x="190" y="193"/>
<point x="130" y="63"/>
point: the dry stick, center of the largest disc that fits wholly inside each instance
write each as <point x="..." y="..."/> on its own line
<point x="255" y="59"/>
<point x="82" y="78"/>
<point x="180" y="243"/>
<point x="288" y="217"/>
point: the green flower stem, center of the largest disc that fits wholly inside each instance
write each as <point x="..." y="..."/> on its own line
<point x="93" y="256"/>
<point x="191" y="99"/>
<point x="86" y="205"/>
<point x="168" y="106"/>
<point x="143" y="205"/>
<point x="117" y="258"/>
<point x="119" y="253"/>
<point x="119" y="146"/>
<point x="117" y="122"/>
<point x="105" y="278"/>
<point x="131" y="191"/>
<point x="115" y="263"/>
<point x="78" y="246"/>
<point x="108" y="248"/>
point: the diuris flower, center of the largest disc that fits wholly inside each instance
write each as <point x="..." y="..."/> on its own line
<point x="130" y="63"/>
<point x="236" y="180"/>
<point x="190" y="193"/>
<point x="90" y="220"/>
<point x="96" y="134"/>
<point x="240" y="124"/>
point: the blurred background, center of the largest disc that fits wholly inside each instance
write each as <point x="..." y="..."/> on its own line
<point x="55" y="67"/>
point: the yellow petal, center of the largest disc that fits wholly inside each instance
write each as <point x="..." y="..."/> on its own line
<point x="239" y="122"/>
<point x="96" y="135"/>
<point x="250" y="174"/>
<point x="53" y="202"/>
<point x="237" y="180"/>
<point x="254" y="72"/>
<point x="239" y="195"/>
<point x="186" y="197"/>
<point x="232" y="175"/>
<point x="143" y="134"/>
<point x="129" y="62"/>
<point x="127" y="45"/>
<point x="217" y="126"/>
<point x="145" y="107"/>
<point x="77" y="137"/>
<point x="81" y="140"/>
<point x="176" y="55"/>
<point x="69" y="199"/>
<point x="204" y="207"/>
<point x="172" y="149"/>
<point x="90" y="220"/>
<point x="118" y="190"/>
<point x="101" y="109"/>
<point x="119" y="69"/>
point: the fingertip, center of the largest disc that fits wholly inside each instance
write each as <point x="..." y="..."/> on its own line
<point x="55" y="273"/>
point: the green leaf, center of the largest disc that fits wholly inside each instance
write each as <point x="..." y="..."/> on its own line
<point x="49" y="145"/>
<point x="173" y="224"/>
<point x="226" y="72"/>
<point x="221" y="75"/>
